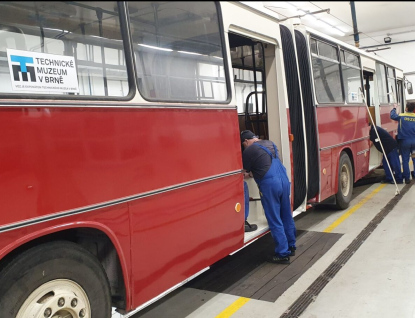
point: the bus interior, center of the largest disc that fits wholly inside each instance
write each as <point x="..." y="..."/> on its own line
<point x="248" y="65"/>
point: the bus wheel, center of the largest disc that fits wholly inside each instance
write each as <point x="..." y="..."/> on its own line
<point x="345" y="182"/>
<point x="56" y="279"/>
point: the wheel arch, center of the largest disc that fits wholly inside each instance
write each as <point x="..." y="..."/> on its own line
<point x="349" y="152"/>
<point x="96" y="239"/>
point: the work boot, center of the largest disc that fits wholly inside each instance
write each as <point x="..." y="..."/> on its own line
<point x="279" y="259"/>
<point x="250" y="227"/>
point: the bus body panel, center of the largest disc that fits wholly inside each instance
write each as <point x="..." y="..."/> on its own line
<point x="329" y="120"/>
<point x="62" y="159"/>
<point x="327" y="183"/>
<point x="360" y="150"/>
<point x="352" y="134"/>
<point x="178" y="233"/>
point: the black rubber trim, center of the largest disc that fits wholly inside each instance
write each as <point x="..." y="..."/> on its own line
<point x="296" y="117"/>
<point x="313" y="172"/>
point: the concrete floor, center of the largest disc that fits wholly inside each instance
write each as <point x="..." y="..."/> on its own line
<point x="377" y="280"/>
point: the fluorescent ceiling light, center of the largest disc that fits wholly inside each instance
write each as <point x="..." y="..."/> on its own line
<point x="192" y="53"/>
<point x="156" y="48"/>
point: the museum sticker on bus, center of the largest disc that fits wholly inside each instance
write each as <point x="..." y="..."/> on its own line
<point x="41" y="72"/>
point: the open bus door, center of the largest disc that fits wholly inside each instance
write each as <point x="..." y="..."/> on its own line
<point x="248" y="64"/>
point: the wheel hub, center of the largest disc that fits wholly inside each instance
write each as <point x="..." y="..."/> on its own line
<point x="345" y="180"/>
<point x="59" y="298"/>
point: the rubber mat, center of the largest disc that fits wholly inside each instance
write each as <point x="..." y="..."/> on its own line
<point x="248" y="274"/>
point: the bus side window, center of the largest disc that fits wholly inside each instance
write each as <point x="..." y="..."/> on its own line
<point x="178" y="51"/>
<point x="391" y="85"/>
<point x="351" y="77"/>
<point x="326" y="71"/>
<point x="11" y="37"/>
<point x="409" y="88"/>
<point x="89" y="35"/>
<point x="382" y="84"/>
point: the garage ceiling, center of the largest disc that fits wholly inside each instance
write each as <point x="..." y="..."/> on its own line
<point x="375" y="21"/>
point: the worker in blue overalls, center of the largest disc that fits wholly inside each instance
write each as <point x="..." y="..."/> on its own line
<point x="406" y="135"/>
<point x="390" y="146"/>
<point x="260" y="157"/>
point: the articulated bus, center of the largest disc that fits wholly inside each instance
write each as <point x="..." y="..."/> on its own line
<point x="120" y="155"/>
<point x="331" y="88"/>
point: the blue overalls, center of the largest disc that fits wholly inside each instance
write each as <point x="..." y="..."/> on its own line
<point x="274" y="188"/>
<point x="246" y="198"/>
<point x="407" y="146"/>
<point x="395" y="164"/>
<point x="406" y="138"/>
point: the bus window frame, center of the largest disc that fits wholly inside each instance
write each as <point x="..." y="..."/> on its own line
<point x="318" y="39"/>
<point x="229" y="90"/>
<point x="386" y="67"/>
<point x="400" y="94"/>
<point x="343" y="49"/>
<point x="131" y="80"/>
<point x="339" y="48"/>
<point x="395" y="92"/>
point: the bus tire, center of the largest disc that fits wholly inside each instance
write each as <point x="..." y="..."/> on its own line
<point x="345" y="182"/>
<point x="54" y="279"/>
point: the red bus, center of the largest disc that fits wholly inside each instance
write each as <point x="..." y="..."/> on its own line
<point x="120" y="155"/>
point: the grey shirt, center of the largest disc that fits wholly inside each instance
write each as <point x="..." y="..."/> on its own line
<point x="256" y="159"/>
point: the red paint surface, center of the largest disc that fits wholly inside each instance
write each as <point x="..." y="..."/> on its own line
<point x="60" y="159"/>
<point x="339" y="127"/>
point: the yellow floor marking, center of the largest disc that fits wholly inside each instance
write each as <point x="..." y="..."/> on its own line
<point x="234" y="307"/>
<point x="353" y="209"/>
